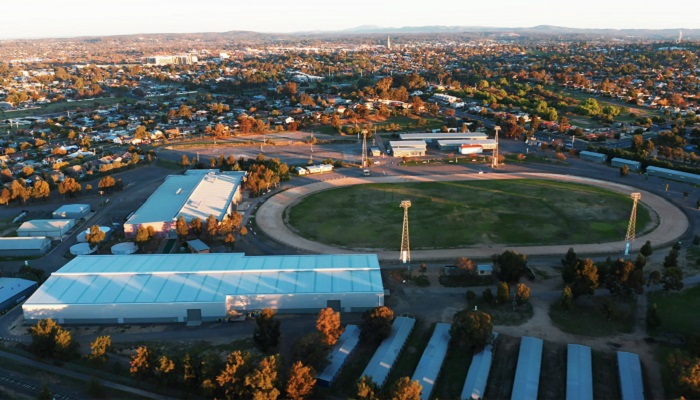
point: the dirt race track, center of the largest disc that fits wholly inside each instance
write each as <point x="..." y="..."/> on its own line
<point x="270" y="218"/>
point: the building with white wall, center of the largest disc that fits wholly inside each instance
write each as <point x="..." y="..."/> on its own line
<point x="199" y="193"/>
<point x="163" y="288"/>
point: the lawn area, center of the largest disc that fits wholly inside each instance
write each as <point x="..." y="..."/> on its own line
<point x="407" y="362"/>
<point x="66" y="106"/>
<point x="606" y="384"/>
<point x="553" y="371"/>
<point x="505" y="360"/>
<point x="588" y="318"/>
<point x="454" y="372"/>
<point x="676" y="311"/>
<point x="467" y="213"/>
<point x="505" y="314"/>
<point x="345" y="385"/>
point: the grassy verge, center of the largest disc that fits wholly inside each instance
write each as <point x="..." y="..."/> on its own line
<point x="676" y="311"/>
<point x="454" y="372"/>
<point x="407" y="362"/>
<point x="553" y="371"/>
<point x="466" y="280"/>
<point x="505" y="314"/>
<point x="505" y="360"/>
<point x="345" y="386"/>
<point x="606" y="384"/>
<point x="588" y="318"/>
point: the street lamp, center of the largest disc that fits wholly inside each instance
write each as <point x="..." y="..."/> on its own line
<point x="101" y="193"/>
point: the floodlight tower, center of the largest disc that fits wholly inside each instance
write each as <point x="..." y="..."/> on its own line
<point x="632" y="227"/>
<point x="494" y="161"/>
<point x="405" y="246"/>
<point x="365" y="163"/>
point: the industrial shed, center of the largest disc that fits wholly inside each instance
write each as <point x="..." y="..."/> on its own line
<point x="384" y="358"/>
<point x="341" y="351"/>
<point x="486" y="144"/>
<point x="72" y="211"/>
<point x="431" y="137"/>
<point x="408" y="148"/>
<point x="579" y="373"/>
<point x="527" y="373"/>
<point x="52" y="228"/>
<point x="631" y="164"/>
<point x="162" y="288"/>
<point x="198" y="193"/>
<point x="630" y="371"/>
<point x="24" y="246"/>
<point x="593" y="156"/>
<point x="673" y="174"/>
<point x="430" y="363"/>
<point x="13" y="291"/>
<point x="478" y="375"/>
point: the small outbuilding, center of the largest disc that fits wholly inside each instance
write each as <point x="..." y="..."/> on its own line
<point x="197" y="246"/>
<point x="408" y="148"/>
<point x="72" y="211"/>
<point x="124" y="248"/>
<point x="24" y="246"/>
<point x="621" y="162"/>
<point x="484" y="269"/>
<point x="82" y="249"/>
<point x="52" y="228"/>
<point x="13" y="291"/>
<point x="593" y="156"/>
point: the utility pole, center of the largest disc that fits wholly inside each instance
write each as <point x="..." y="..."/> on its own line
<point x="632" y="227"/>
<point x="365" y="163"/>
<point x="405" y="256"/>
<point x="494" y="161"/>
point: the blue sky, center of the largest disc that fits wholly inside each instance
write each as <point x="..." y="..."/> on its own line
<point x="68" y="18"/>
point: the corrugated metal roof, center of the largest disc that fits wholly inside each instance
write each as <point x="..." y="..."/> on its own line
<point x="198" y="193"/>
<point x="527" y="374"/>
<point x="72" y="208"/>
<point x="478" y="375"/>
<point x="442" y="135"/>
<point x="430" y="363"/>
<point x="399" y="144"/>
<point x="630" y="370"/>
<point x="45" y="224"/>
<point x="579" y="375"/>
<point x="387" y="352"/>
<point x="9" y="287"/>
<point x="342" y="350"/>
<point x="23" y="243"/>
<point x="167" y="278"/>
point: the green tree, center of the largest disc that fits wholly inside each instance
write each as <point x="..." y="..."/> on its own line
<point x="328" y="325"/>
<point x="646" y="249"/>
<point x="181" y="227"/>
<point x="95" y="389"/>
<point x="267" y="331"/>
<point x="471" y="329"/>
<point x="301" y="381"/>
<point x="653" y="317"/>
<point x="311" y="350"/>
<point x="487" y="296"/>
<point x="263" y="382"/>
<point x="503" y="293"/>
<point x="672" y="279"/>
<point x="95" y="236"/>
<point x="367" y="389"/>
<point x="100" y="347"/>
<point x="376" y="324"/>
<point x="522" y="293"/>
<point x="406" y="389"/>
<point x="567" y="299"/>
<point x="569" y="264"/>
<point x="671" y="259"/>
<point x="511" y="266"/>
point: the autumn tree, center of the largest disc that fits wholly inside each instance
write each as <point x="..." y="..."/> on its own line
<point x="376" y="324"/>
<point x="69" y="186"/>
<point x="522" y="293"/>
<point x="41" y="190"/>
<point x="5" y="196"/>
<point x="472" y="329"/>
<point x="328" y="324"/>
<point x="184" y="161"/>
<point x="466" y="266"/>
<point x="196" y="226"/>
<point x="95" y="236"/>
<point x="567" y="299"/>
<point x="212" y="225"/>
<point x="312" y="350"/>
<point x="267" y="330"/>
<point x="367" y="389"/>
<point x="50" y="340"/>
<point x="107" y="184"/>
<point x="142" y="235"/>
<point x="685" y="370"/>
<point x="231" y="379"/>
<point x="406" y="389"/>
<point x="301" y="381"/>
<point x="230" y="241"/>
<point x="100" y="347"/>
<point x="140" y="133"/>
<point x="503" y="293"/>
<point x="181" y="227"/>
<point x="263" y="381"/>
<point x="142" y="363"/>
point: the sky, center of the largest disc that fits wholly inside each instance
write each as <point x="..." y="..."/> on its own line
<point x="70" y="18"/>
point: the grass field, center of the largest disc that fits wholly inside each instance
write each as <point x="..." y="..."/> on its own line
<point x="587" y="317"/>
<point x="458" y="214"/>
<point x="674" y="310"/>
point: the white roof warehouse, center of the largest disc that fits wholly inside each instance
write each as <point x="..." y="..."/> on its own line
<point x="202" y="287"/>
<point x="198" y="193"/>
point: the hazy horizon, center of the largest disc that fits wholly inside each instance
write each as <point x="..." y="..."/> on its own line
<point x="34" y="19"/>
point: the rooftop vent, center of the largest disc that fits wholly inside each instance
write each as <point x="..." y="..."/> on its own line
<point x="178" y="191"/>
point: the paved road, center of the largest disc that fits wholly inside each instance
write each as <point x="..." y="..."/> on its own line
<point x="673" y="223"/>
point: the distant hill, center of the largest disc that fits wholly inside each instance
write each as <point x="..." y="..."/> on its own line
<point x="540" y="29"/>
